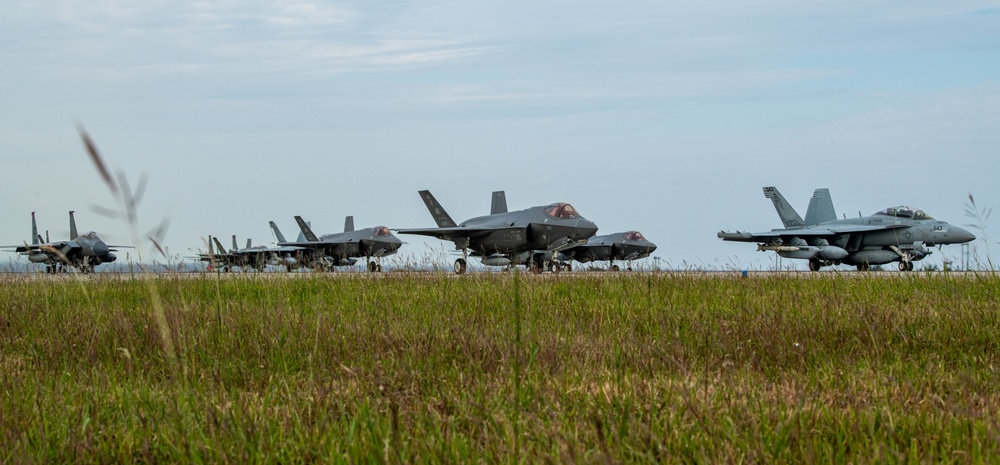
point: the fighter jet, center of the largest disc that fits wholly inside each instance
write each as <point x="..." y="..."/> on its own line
<point x="532" y="235"/>
<point x="626" y="246"/>
<point x="895" y="234"/>
<point x="249" y="257"/>
<point x="341" y="249"/>
<point x="82" y="251"/>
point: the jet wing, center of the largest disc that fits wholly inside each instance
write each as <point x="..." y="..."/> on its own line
<point x="327" y="248"/>
<point x="831" y="231"/>
<point x="306" y="245"/>
<point x="47" y="248"/>
<point x="450" y="234"/>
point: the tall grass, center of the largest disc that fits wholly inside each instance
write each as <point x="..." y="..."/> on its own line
<point x="405" y="368"/>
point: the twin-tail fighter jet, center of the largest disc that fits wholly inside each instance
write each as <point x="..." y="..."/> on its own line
<point x="531" y="236"/>
<point x="623" y="246"/>
<point x="249" y="257"/>
<point x="895" y="234"/>
<point x="342" y="249"/>
<point x="81" y="251"/>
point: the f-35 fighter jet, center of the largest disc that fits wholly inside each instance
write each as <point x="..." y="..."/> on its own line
<point x="625" y="246"/>
<point x="248" y="258"/>
<point x="341" y="249"/>
<point x="504" y="238"/>
<point x="895" y="234"/>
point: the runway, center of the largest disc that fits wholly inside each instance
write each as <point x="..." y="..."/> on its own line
<point x="474" y="275"/>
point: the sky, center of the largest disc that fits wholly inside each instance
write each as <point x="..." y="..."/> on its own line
<point x="665" y="117"/>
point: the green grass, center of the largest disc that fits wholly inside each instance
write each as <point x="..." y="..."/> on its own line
<point x="501" y="368"/>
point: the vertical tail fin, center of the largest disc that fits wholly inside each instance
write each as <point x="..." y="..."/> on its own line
<point x="820" y="208"/>
<point x="278" y="237"/>
<point x="72" y="226"/>
<point x="302" y="236"/>
<point x="349" y="224"/>
<point x="219" y="246"/>
<point x="34" y="231"/>
<point x="441" y="217"/>
<point x="499" y="204"/>
<point x="235" y="247"/>
<point x="789" y="217"/>
<point x="211" y="248"/>
<point x="248" y="242"/>
<point x="306" y="230"/>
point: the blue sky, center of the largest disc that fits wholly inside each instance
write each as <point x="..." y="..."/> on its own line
<point x="666" y="117"/>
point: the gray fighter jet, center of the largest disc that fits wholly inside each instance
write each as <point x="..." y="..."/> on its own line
<point x="341" y="249"/>
<point x="249" y="258"/>
<point x="503" y="238"/>
<point x="82" y="251"/>
<point x="896" y="234"/>
<point x="626" y="246"/>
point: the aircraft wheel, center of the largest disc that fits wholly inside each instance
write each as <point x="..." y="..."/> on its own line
<point x="459" y="266"/>
<point x="371" y="266"/>
<point x="378" y="268"/>
<point x="628" y="269"/>
<point x="909" y="266"/>
<point x="615" y="268"/>
<point x="902" y="266"/>
<point x="536" y="265"/>
<point x="815" y="265"/>
<point x="568" y="267"/>
<point x="556" y="267"/>
<point x="863" y="267"/>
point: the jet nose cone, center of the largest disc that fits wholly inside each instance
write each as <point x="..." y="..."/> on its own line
<point x="960" y="236"/>
<point x="586" y="227"/>
<point x="650" y="247"/>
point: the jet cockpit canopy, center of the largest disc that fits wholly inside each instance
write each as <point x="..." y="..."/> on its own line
<point x="561" y="210"/>
<point x="634" y="236"/>
<point x="905" y="212"/>
<point x="90" y="235"/>
<point x="381" y="231"/>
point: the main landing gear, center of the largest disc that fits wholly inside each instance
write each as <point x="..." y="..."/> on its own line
<point x="906" y="266"/>
<point x="374" y="267"/>
<point x="460" y="266"/>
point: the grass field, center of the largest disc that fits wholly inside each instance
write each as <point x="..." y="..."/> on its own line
<point x="501" y="368"/>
